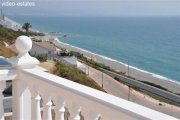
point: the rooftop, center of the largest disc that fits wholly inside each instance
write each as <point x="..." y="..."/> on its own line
<point x="46" y="45"/>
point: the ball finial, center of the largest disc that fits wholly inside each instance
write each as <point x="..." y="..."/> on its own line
<point x="23" y="44"/>
<point x="23" y="60"/>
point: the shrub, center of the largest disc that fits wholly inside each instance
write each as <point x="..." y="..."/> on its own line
<point x="75" y="75"/>
<point x="41" y="58"/>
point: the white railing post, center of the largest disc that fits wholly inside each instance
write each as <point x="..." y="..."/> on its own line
<point x="49" y="112"/>
<point x="21" y="100"/>
<point x="77" y="116"/>
<point x="96" y="116"/>
<point x="33" y="101"/>
<point x="21" y="94"/>
<point x="45" y="107"/>
<point x="2" y="86"/>
<point x="38" y="108"/>
<point x="62" y="110"/>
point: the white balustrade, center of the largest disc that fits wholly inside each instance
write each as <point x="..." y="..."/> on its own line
<point x="27" y="100"/>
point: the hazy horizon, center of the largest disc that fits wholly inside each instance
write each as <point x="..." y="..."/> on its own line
<point x="94" y="8"/>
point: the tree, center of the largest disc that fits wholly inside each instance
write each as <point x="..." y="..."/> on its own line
<point x="26" y="27"/>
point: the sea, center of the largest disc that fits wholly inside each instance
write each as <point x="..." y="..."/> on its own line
<point x="148" y="43"/>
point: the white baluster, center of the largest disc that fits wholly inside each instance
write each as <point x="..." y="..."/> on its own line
<point x="33" y="101"/>
<point x="38" y="108"/>
<point x="49" y="113"/>
<point x="60" y="107"/>
<point x="62" y="111"/>
<point x="97" y="117"/>
<point x="2" y="86"/>
<point x="78" y="111"/>
<point x="45" y="107"/>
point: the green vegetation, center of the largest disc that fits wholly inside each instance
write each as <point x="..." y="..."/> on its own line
<point x="75" y="75"/>
<point x="26" y="26"/>
<point x="64" y="53"/>
<point x="8" y="35"/>
<point x="41" y="58"/>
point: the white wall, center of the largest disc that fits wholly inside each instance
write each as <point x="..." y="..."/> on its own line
<point x="38" y="50"/>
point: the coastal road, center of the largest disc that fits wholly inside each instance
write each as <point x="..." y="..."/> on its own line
<point x="120" y="90"/>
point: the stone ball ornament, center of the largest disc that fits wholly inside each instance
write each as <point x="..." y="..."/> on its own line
<point x="23" y="44"/>
<point x="23" y="60"/>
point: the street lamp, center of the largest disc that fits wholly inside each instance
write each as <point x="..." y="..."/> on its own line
<point x="88" y="68"/>
<point x="129" y="93"/>
<point x="102" y="80"/>
<point x="128" y="67"/>
<point x="1" y="9"/>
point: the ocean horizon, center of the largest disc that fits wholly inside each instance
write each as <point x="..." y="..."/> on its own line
<point x="147" y="43"/>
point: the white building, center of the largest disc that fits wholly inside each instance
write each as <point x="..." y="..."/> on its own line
<point x="70" y="60"/>
<point x="39" y="48"/>
<point x="73" y="61"/>
<point x="67" y="99"/>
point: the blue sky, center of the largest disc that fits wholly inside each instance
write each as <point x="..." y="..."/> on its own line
<point x="98" y="8"/>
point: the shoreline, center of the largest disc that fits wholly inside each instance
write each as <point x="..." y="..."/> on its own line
<point x="137" y="73"/>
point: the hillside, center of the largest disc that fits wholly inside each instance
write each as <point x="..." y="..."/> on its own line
<point x="75" y="75"/>
<point x="9" y="36"/>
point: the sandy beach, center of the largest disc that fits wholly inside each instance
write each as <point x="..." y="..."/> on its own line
<point x="134" y="72"/>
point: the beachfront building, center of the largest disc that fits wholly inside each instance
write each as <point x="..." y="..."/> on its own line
<point x="43" y="38"/>
<point x="40" y="48"/>
<point x="72" y="61"/>
<point x="44" y="48"/>
<point x="38" y="95"/>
